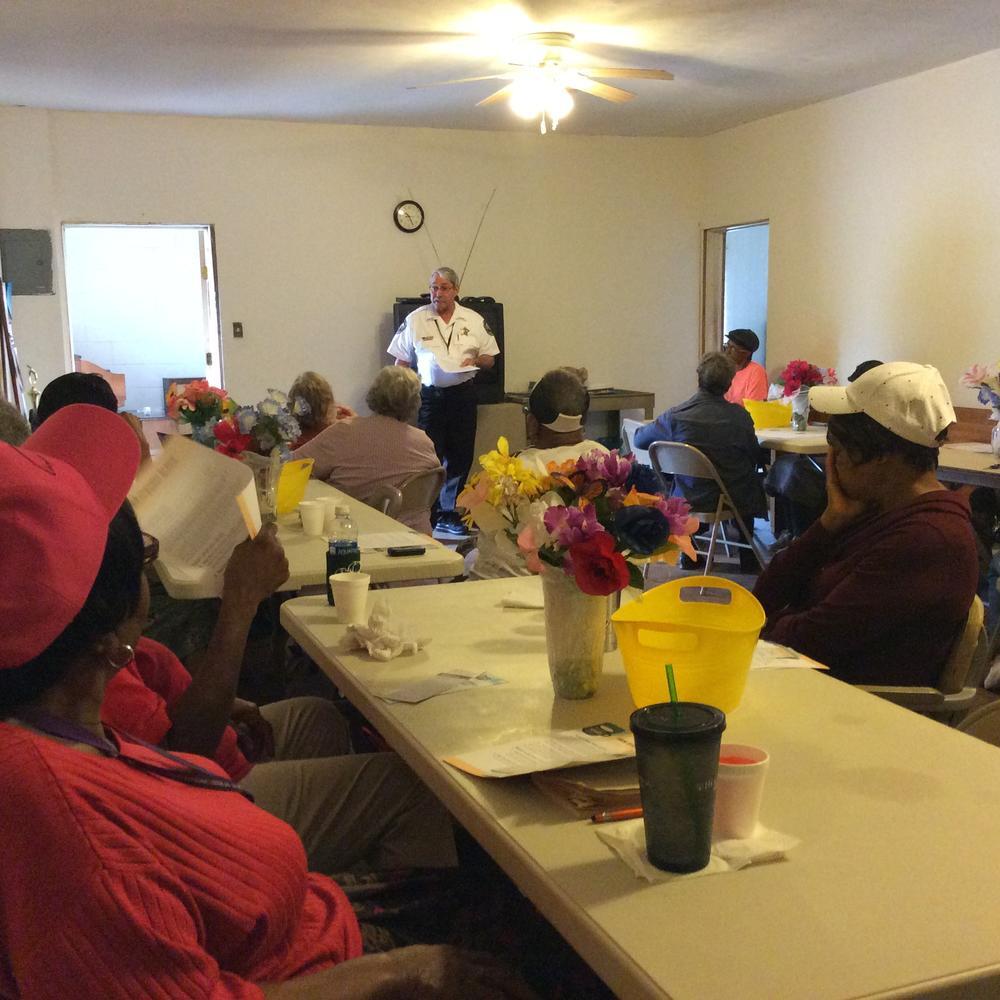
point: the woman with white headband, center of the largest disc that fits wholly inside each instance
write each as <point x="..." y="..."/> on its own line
<point x="554" y="417"/>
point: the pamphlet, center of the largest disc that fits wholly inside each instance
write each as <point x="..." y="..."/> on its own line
<point x="564" y="748"/>
<point x="200" y="505"/>
<point x="772" y="656"/>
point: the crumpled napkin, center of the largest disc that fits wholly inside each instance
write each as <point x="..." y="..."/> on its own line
<point x="382" y="637"/>
<point x="628" y="840"/>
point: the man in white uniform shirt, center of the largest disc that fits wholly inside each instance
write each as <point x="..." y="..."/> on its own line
<point x="447" y="344"/>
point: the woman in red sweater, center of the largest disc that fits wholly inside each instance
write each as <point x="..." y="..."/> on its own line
<point x="131" y="872"/>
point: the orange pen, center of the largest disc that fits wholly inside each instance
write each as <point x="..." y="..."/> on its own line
<point x="614" y="815"/>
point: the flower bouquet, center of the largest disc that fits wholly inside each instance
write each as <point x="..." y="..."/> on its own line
<point x="798" y="377"/>
<point x="199" y="407"/>
<point x="588" y="535"/>
<point x="986" y="379"/>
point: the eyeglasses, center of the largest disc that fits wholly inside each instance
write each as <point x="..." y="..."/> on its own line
<point x="150" y="549"/>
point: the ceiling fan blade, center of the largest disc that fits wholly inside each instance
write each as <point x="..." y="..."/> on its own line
<point x="601" y="90"/>
<point x="497" y="95"/>
<point x="613" y="71"/>
<point x="464" y="79"/>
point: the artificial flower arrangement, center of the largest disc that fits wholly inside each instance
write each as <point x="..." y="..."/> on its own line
<point x="801" y="374"/>
<point x="580" y="517"/>
<point x="261" y="428"/>
<point x="986" y="379"/>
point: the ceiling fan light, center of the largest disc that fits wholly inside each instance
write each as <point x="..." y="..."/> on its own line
<point x="559" y="103"/>
<point x="527" y="99"/>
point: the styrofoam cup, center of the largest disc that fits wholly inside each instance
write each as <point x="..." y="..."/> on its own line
<point x="350" y="597"/>
<point x="313" y="514"/>
<point x="739" y="787"/>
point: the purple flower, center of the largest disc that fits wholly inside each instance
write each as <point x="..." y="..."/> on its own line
<point x="610" y="467"/>
<point x="569" y="525"/>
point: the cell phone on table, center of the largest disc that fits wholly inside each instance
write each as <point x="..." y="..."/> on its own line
<point x="405" y="550"/>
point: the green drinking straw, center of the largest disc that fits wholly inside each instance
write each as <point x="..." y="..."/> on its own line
<point x="669" y="667"/>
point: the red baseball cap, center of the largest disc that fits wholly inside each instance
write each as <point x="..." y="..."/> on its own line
<point x="58" y="493"/>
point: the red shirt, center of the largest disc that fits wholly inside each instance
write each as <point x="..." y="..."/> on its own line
<point x="124" y="885"/>
<point x="138" y="698"/>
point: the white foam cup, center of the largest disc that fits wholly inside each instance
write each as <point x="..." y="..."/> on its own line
<point x="313" y="514"/>
<point x="350" y="596"/>
<point x="739" y="788"/>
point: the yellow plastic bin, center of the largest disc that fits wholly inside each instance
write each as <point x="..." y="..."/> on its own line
<point x="768" y="413"/>
<point x="292" y="484"/>
<point x="705" y="626"/>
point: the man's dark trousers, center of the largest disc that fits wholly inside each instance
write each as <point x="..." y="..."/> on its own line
<point x="448" y="415"/>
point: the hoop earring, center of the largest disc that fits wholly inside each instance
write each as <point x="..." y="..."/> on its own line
<point x="128" y="659"/>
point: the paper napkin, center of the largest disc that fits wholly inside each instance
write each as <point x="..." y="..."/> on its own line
<point x="628" y="840"/>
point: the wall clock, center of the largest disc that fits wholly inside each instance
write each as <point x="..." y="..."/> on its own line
<point x="408" y="216"/>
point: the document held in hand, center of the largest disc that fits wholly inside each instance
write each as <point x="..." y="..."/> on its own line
<point x="200" y="504"/>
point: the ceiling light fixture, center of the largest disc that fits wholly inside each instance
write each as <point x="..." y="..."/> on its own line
<point x="541" y="94"/>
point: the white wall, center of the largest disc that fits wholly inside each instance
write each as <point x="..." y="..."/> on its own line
<point x="592" y="244"/>
<point x="885" y="213"/>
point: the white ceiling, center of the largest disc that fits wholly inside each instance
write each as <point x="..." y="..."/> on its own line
<point x="322" y="60"/>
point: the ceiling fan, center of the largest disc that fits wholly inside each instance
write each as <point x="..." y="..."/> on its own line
<point x="542" y="78"/>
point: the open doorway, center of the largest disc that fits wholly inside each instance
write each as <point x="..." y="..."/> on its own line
<point x="143" y="309"/>
<point x="734" y="285"/>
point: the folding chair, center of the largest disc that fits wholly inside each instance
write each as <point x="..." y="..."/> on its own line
<point x="959" y="681"/>
<point x="672" y="459"/>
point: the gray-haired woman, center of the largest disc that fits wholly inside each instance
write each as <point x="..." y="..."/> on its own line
<point x="383" y="449"/>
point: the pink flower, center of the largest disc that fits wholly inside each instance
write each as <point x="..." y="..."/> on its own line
<point x="610" y="467"/>
<point x="678" y="512"/>
<point x="570" y="525"/>
<point x="976" y="376"/>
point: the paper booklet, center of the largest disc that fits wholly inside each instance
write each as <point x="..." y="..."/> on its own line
<point x="200" y="505"/>
<point x="612" y="785"/>
<point x="564" y="748"/>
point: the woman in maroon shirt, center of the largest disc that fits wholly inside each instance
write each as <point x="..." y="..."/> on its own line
<point x="880" y="586"/>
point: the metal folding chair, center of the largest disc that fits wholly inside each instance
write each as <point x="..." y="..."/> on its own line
<point x="669" y="458"/>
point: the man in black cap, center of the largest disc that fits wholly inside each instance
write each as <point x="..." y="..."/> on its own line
<point x="750" y="381"/>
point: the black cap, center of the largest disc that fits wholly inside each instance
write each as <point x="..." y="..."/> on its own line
<point x="746" y="339"/>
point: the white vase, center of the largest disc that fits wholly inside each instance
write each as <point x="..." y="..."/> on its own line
<point x="995" y="436"/>
<point x="266" y="473"/>
<point x="575" y="628"/>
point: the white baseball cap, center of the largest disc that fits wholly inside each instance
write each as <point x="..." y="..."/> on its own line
<point x="908" y="399"/>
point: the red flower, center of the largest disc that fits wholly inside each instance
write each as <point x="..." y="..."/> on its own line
<point x="598" y="569"/>
<point x="231" y="441"/>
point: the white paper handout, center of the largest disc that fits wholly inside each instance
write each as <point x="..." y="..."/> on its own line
<point x="449" y="372"/>
<point x="563" y="748"/>
<point x="442" y="683"/>
<point x="379" y="541"/>
<point x="772" y="656"/>
<point x="199" y="504"/>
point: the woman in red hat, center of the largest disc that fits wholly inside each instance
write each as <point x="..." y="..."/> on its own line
<point x="130" y="871"/>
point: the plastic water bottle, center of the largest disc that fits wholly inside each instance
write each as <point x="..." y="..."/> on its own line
<point x="343" y="554"/>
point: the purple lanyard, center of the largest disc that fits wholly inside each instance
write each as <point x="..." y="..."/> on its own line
<point x="186" y="772"/>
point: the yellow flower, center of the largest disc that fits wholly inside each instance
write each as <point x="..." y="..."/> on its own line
<point x="637" y="499"/>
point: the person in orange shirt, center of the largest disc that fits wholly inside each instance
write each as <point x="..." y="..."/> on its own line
<point x="750" y="380"/>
